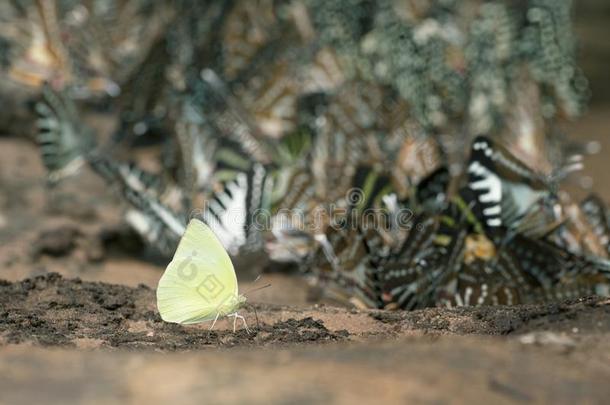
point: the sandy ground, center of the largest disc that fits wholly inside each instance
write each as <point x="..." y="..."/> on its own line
<point x="78" y="322"/>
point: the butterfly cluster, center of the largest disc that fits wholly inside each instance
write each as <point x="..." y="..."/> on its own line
<point x="330" y="136"/>
<point x="504" y="236"/>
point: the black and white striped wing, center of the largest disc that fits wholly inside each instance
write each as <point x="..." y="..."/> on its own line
<point x="505" y="187"/>
<point x="62" y="138"/>
<point x="345" y="263"/>
<point x="152" y="218"/>
<point x="556" y="273"/>
<point x="406" y="278"/>
<point x="238" y="213"/>
<point x="598" y="217"/>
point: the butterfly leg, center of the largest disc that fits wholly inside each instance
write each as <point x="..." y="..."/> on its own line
<point x="214" y="322"/>
<point x="243" y="320"/>
<point x="238" y="316"/>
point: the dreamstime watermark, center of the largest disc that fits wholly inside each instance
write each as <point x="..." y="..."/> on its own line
<point x="209" y="288"/>
<point x="354" y="212"/>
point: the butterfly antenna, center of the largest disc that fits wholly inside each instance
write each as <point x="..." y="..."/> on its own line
<point x="257" y="288"/>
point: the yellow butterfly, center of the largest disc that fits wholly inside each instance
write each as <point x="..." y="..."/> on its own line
<point x="199" y="283"/>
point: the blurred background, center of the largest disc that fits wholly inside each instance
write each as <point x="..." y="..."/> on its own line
<point x="110" y="107"/>
<point x="594" y="56"/>
<point x="590" y="27"/>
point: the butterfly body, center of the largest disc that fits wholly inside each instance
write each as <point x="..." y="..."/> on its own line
<point x="199" y="283"/>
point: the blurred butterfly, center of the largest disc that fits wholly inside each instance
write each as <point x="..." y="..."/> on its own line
<point x="64" y="141"/>
<point x="596" y="213"/>
<point x="199" y="284"/>
<point x="156" y="209"/>
<point x="237" y="212"/>
<point x="505" y="187"/>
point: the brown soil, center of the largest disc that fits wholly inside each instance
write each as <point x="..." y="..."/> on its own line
<point x="553" y="353"/>
<point x="49" y="310"/>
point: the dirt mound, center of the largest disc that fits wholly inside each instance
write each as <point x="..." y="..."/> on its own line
<point x="50" y="310"/>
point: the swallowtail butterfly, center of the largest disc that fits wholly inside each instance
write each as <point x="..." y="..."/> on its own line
<point x="505" y="187"/>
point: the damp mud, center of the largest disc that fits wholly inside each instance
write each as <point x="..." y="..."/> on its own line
<point x="49" y="310"/>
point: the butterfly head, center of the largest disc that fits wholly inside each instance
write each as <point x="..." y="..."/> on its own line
<point x="231" y="305"/>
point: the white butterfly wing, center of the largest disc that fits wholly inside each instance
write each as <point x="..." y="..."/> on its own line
<point x="200" y="281"/>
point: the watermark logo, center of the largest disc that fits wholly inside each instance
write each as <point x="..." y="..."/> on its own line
<point x="354" y="211"/>
<point x="210" y="288"/>
<point x="187" y="270"/>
